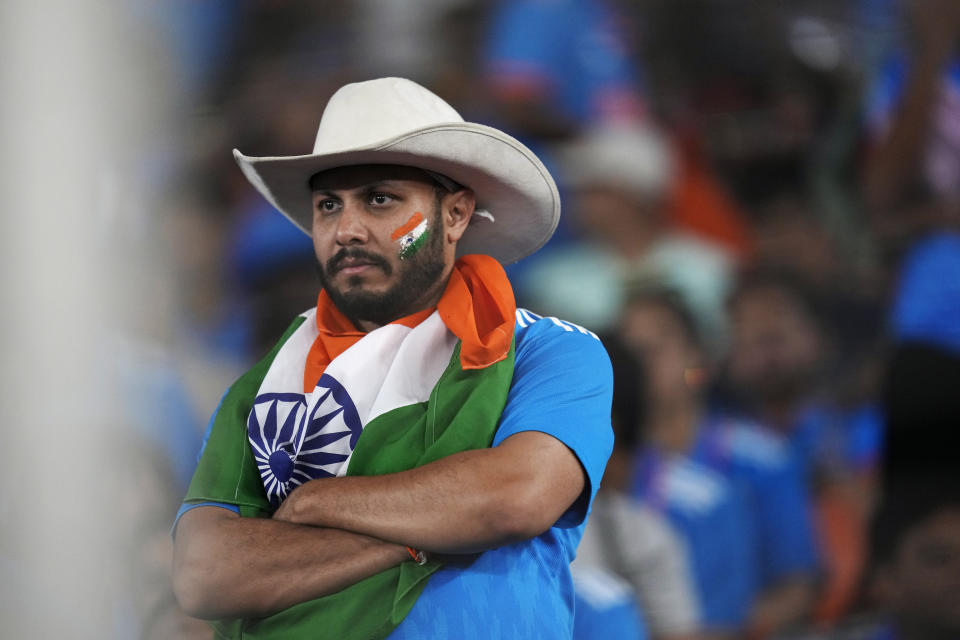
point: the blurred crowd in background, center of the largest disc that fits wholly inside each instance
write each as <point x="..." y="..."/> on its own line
<point x="761" y="200"/>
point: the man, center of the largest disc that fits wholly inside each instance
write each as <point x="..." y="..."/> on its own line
<point x="416" y="457"/>
<point x="727" y="486"/>
<point x="916" y="557"/>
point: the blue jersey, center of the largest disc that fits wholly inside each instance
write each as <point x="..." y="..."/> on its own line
<point x="829" y="440"/>
<point x="562" y="385"/>
<point x="572" y="52"/>
<point x="927" y="301"/>
<point x="738" y="500"/>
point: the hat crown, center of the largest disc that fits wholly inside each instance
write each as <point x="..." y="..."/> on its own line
<point x="363" y="114"/>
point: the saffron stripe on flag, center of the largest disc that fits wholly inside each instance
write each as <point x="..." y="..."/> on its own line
<point x="407" y="226"/>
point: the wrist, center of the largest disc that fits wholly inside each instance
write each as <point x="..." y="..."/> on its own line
<point x="417" y="555"/>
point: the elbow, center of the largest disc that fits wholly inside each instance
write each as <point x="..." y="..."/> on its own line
<point x="199" y="586"/>
<point x="191" y="591"/>
<point x="201" y="595"/>
<point x="521" y="513"/>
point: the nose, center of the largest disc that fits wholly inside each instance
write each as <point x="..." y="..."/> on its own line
<point x="350" y="226"/>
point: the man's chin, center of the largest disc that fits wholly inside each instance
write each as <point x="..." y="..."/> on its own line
<point x="359" y="283"/>
<point x="358" y="286"/>
<point x="352" y="293"/>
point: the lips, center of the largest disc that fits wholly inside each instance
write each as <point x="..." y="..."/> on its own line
<point x="353" y="263"/>
<point x="356" y="262"/>
<point x="354" y="266"/>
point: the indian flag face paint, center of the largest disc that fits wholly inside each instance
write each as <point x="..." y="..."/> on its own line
<point x="411" y="235"/>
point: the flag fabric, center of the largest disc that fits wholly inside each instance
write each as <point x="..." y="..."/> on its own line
<point x="396" y="398"/>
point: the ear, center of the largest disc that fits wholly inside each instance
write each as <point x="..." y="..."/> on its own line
<point x="457" y="211"/>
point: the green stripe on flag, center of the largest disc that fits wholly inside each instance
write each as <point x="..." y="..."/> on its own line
<point x="463" y="413"/>
<point x="227" y="471"/>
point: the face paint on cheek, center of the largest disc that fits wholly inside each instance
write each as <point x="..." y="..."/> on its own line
<point x="411" y="235"/>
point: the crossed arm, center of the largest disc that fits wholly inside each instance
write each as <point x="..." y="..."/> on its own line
<point x="333" y="532"/>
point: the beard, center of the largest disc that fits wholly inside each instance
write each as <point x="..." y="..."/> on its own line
<point x="417" y="275"/>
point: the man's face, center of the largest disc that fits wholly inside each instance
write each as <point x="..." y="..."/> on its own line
<point x="618" y="217"/>
<point x="378" y="232"/>
<point x="669" y="357"/>
<point x="924" y="580"/>
<point x="776" y="347"/>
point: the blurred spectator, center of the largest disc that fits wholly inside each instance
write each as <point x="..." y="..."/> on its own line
<point x="911" y="184"/>
<point x="555" y="66"/>
<point x="786" y="235"/>
<point x="404" y="37"/>
<point x="730" y="487"/>
<point x="622" y="176"/>
<point x="920" y="399"/>
<point x="913" y="111"/>
<point x="778" y="347"/>
<point x="779" y="371"/>
<point x="631" y="540"/>
<point x="916" y="550"/>
<point x="913" y="591"/>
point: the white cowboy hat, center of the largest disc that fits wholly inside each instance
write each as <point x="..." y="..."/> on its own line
<point x="396" y="121"/>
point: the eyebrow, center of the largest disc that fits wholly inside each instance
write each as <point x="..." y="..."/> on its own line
<point x="367" y="186"/>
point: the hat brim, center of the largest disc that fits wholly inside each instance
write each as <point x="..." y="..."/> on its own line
<point x="508" y="180"/>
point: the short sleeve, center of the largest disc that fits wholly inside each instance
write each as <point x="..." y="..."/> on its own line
<point x="226" y="472"/>
<point x="562" y="386"/>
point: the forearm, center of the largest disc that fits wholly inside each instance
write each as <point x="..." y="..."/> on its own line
<point x="467" y="502"/>
<point x="892" y="165"/>
<point x="431" y="518"/>
<point x="231" y="567"/>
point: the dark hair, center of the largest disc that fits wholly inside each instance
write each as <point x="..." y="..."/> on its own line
<point x="907" y="504"/>
<point x="781" y="280"/>
<point x="627" y="412"/>
<point x="920" y="396"/>
<point x="671" y="301"/>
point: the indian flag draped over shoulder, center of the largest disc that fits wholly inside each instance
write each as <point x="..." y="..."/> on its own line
<point x="401" y="396"/>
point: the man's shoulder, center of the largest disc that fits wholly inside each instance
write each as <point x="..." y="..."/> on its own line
<point x="549" y="338"/>
<point x="561" y="353"/>
<point x="531" y="327"/>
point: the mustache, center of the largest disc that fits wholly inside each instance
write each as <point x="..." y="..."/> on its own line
<point x="335" y="263"/>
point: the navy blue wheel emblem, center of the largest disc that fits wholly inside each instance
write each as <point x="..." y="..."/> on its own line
<point x="294" y="443"/>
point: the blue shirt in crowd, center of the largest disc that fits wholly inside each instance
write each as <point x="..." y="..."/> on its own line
<point x="739" y="501"/>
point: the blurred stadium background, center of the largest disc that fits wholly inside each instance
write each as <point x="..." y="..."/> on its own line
<point x="782" y="178"/>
